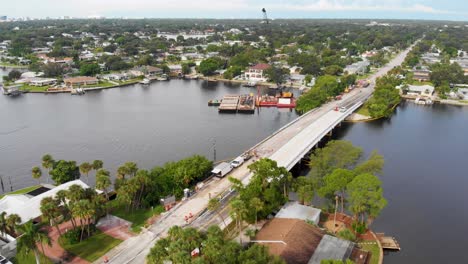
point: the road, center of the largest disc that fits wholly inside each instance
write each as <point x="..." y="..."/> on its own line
<point x="135" y="249"/>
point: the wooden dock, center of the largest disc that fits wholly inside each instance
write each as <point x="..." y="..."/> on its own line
<point x="388" y="243"/>
<point x="229" y="103"/>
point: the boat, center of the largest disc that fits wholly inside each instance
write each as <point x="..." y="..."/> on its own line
<point x="214" y="102"/>
<point x="162" y="78"/>
<point x="266" y="101"/>
<point x="12" y="90"/>
<point x="250" y="84"/>
<point x="145" y="81"/>
<point x="77" y="91"/>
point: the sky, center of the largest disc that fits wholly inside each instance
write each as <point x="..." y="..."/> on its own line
<point x="383" y="9"/>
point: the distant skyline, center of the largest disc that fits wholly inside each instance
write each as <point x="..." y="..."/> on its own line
<point x="367" y="9"/>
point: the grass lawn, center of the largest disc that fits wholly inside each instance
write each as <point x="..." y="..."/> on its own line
<point x="99" y="84"/>
<point x="22" y="191"/>
<point x="22" y="258"/>
<point x="135" y="80"/>
<point x="92" y="248"/>
<point x="137" y="217"/>
<point x="32" y="88"/>
<point x="363" y="110"/>
<point x="374" y="249"/>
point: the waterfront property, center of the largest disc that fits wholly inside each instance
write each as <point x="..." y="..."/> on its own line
<point x="298" y="211"/>
<point x="257" y="73"/>
<point x="423" y="90"/>
<point x="80" y="81"/>
<point x="421" y="75"/>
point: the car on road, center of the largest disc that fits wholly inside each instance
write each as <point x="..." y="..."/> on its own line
<point x="237" y="162"/>
<point x="343" y="109"/>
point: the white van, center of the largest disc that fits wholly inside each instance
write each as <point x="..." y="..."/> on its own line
<point x="237" y="162"/>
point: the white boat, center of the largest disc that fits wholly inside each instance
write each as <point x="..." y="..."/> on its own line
<point x="162" y="78"/>
<point x="251" y="84"/>
<point x="145" y="81"/>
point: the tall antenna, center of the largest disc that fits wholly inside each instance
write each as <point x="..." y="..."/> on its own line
<point x="265" y="17"/>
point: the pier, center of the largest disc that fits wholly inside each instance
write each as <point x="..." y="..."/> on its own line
<point x="229" y="103"/>
<point x="388" y="243"/>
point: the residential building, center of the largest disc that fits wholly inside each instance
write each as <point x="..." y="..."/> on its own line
<point x="146" y="71"/>
<point x="431" y="57"/>
<point x="257" y="72"/>
<point x="422" y="74"/>
<point x="176" y="70"/>
<point x="294" y="210"/>
<point x="423" y="90"/>
<point x="80" y="80"/>
<point x="38" y="81"/>
<point x="115" y="77"/>
<point x="359" y="67"/>
<point x="298" y="242"/>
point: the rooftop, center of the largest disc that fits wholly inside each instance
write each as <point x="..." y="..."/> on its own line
<point x="332" y="248"/>
<point x="260" y="66"/>
<point x="294" y="210"/>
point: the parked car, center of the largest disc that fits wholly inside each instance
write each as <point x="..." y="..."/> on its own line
<point x="237" y="162"/>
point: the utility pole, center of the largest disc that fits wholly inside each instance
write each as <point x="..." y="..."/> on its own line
<point x="214" y="149"/>
<point x="334" y="218"/>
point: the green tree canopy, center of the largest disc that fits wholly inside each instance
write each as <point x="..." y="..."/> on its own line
<point x="65" y="171"/>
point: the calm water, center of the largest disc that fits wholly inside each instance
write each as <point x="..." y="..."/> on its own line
<point x="149" y="125"/>
<point x="425" y="180"/>
<point x="425" y="149"/>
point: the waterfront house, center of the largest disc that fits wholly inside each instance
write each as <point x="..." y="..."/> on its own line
<point x="80" y="81"/>
<point x="115" y="77"/>
<point x="416" y="90"/>
<point x="38" y="81"/>
<point x="147" y="70"/>
<point x="175" y="70"/>
<point x="294" y="210"/>
<point x="28" y="206"/>
<point x="257" y="72"/>
<point x="298" y="242"/>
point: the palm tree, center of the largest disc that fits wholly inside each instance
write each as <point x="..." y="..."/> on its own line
<point x="238" y="213"/>
<point x="13" y="221"/>
<point x="122" y="171"/>
<point x="85" y="168"/>
<point x="97" y="164"/>
<point x="214" y="205"/>
<point x="3" y="223"/>
<point x="132" y="168"/>
<point x="142" y="179"/>
<point x="31" y="235"/>
<point x="103" y="181"/>
<point x="36" y="173"/>
<point x="47" y="163"/>
<point x="51" y="212"/>
<point x="257" y="204"/>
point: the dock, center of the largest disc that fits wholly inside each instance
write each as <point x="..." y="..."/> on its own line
<point x="388" y="242"/>
<point x="246" y="104"/>
<point x="229" y="103"/>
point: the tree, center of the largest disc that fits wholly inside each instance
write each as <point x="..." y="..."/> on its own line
<point x="277" y="75"/>
<point x="52" y="70"/>
<point x="373" y="165"/>
<point x="90" y="69"/>
<point x="214" y="205"/>
<point x="3" y="223"/>
<point x="336" y="154"/>
<point x="51" y="212"/>
<point x="13" y="221"/>
<point x="36" y="174"/>
<point x="48" y="164"/>
<point x="186" y="68"/>
<point x="85" y="168"/>
<point x="305" y="189"/>
<point x="209" y="66"/>
<point x="366" y="199"/>
<point x="333" y="70"/>
<point x="257" y="205"/>
<point x="336" y="182"/>
<point x="32" y="235"/>
<point x="14" y="75"/>
<point x="103" y="181"/>
<point x="97" y="164"/>
<point x="237" y="212"/>
<point x="65" y="171"/>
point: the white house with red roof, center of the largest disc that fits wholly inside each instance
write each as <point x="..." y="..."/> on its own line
<point x="257" y="73"/>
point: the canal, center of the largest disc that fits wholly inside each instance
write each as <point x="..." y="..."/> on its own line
<point x="425" y="149"/>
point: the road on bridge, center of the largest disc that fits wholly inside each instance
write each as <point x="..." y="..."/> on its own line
<point x="277" y="146"/>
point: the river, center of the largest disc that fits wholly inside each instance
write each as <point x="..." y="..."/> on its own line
<point x="424" y="176"/>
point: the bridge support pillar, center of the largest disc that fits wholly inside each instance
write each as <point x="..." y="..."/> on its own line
<point x="330" y="133"/>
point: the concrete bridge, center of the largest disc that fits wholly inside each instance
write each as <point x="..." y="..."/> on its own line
<point x="287" y="146"/>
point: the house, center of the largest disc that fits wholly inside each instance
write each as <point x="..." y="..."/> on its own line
<point x="115" y="77"/>
<point x="423" y="74"/>
<point x="431" y="58"/>
<point x="423" y="90"/>
<point x="257" y="72"/>
<point x="80" y="80"/>
<point x="294" y="210"/>
<point x="298" y="242"/>
<point x="38" y="81"/>
<point x="175" y="70"/>
<point x="146" y="71"/>
<point x="28" y="206"/>
<point x="359" y="67"/>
